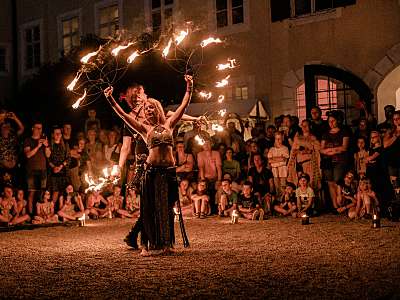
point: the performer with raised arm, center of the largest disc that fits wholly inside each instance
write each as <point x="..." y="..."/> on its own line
<point x="159" y="185"/>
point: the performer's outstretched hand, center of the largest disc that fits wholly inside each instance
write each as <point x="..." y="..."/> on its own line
<point x="189" y="80"/>
<point x="108" y="91"/>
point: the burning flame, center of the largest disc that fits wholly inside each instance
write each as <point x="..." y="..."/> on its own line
<point x="375" y="217"/>
<point x="222" y="112"/>
<point x="166" y="49"/>
<point x="223" y="82"/>
<point x="199" y="140"/>
<point x="217" y="127"/>
<point x="78" y="102"/>
<point x="181" y="36"/>
<point x="115" y="51"/>
<point x="210" y="40"/>
<point x="221" y="98"/>
<point x="230" y="65"/>
<point x="304" y="216"/>
<point x="71" y="86"/>
<point x="105" y="172"/>
<point x="114" y="170"/>
<point x="206" y="95"/>
<point x="86" y="58"/>
<point x="132" y="57"/>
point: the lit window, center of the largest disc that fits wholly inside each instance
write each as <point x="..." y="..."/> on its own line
<point x="3" y="59"/>
<point x="70" y="34"/>
<point x="161" y="15"/>
<point x="32" y="47"/>
<point x="229" y="12"/>
<point x="108" y="21"/>
<point x="242" y="93"/>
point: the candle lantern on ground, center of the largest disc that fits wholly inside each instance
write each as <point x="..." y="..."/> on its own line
<point x="376" y="221"/>
<point x="235" y="217"/>
<point x="305" y="220"/>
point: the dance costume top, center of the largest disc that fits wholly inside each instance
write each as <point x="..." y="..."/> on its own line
<point x="160" y="136"/>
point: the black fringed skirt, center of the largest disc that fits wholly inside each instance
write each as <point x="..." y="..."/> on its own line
<point x="159" y="193"/>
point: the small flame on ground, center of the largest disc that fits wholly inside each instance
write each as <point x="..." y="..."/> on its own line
<point x="116" y="50"/>
<point x="209" y="41"/>
<point x="217" y="127"/>
<point x="199" y="140"/>
<point x="78" y="102"/>
<point x="166" y="49"/>
<point x="223" y="82"/>
<point x="181" y="36"/>
<point x="206" y="95"/>
<point x="230" y="65"/>
<point x="105" y="172"/>
<point x="132" y="57"/>
<point x="221" y="98"/>
<point x="71" y="86"/>
<point x="86" y="58"/>
<point x="222" y="112"/>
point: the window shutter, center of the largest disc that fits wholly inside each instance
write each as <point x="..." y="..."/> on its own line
<point x="280" y="10"/>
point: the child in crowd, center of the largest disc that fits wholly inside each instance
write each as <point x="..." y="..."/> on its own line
<point x="286" y="204"/>
<point x="71" y="205"/>
<point x="305" y="196"/>
<point x="132" y="204"/>
<point x="361" y="157"/>
<point x="21" y="203"/>
<point x="227" y="202"/>
<point x="45" y="210"/>
<point x="367" y="201"/>
<point x="114" y="205"/>
<point x="248" y="204"/>
<point x="185" y="199"/>
<point x="346" y="195"/>
<point x="277" y="158"/>
<point x="93" y="202"/>
<point x="201" y="200"/>
<point x="9" y="209"/>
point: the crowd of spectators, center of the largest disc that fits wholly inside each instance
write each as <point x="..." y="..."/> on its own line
<point x="289" y="168"/>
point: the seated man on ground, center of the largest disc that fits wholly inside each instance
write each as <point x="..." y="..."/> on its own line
<point x="286" y="204"/>
<point x="227" y="202"/>
<point x="201" y="200"/>
<point x="346" y="195"/>
<point x="45" y="210"/>
<point x="132" y="204"/>
<point x="248" y="204"/>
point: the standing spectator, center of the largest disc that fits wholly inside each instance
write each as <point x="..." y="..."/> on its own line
<point x="92" y="122"/>
<point x="184" y="162"/>
<point x="318" y="125"/>
<point x="361" y="157"/>
<point x="67" y="134"/>
<point x="80" y="165"/>
<point x="191" y="146"/>
<point x="95" y="151"/>
<point x="58" y="162"/>
<point x="388" y="123"/>
<point x="362" y="130"/>
<point x="277" y="158"/>
<point x="270" y="136"/>
<point x="231" y="166"/>
<point x="112" y="149"/>
<point x="210" y="167"/>
<point x="391" y="144"/>
<point x="334" y="147"/>
<point x="36" y="149"/>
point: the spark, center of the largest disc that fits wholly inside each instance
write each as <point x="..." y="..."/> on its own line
<point x="71" y="86"/>
<point x="210" y="40"/>
<point x="182" y="35"/>
<point x="221" y="98"/>
<point x="199" y="140"/>
<point x="217" y="127"/>
<point x="114" y="170"/>
<point x="78" y="102"/>
<point x="223" y="82"/>
<point x="115" y="51"/>
<point x="166" y="49"/>
<point x="132" y="57"/>
<point x="230" y="65"/>
<point x="222" y="112"/>
<point x="86" y="58"/>
<point x="205" y="95"/>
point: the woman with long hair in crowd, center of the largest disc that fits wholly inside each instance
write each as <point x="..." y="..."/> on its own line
<point x="45" y="210"/>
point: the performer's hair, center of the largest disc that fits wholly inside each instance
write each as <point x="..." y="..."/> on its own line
<point x="133" y="85"/>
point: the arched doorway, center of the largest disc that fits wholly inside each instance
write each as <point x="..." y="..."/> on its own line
<point x="389" y="92"/>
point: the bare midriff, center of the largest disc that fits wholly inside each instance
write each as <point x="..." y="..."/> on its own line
<point x="161" y="156"/>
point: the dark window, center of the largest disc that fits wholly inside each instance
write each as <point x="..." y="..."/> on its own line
<point x="302" y="7"/>
<point x="323" y="5"/>
<point x="155" y="4"/>
<point x="237" y="11"/>
<point x="32" y="54"/>
<point x="340" y="3"/>
<point x="168" y="2"/>
<point x="222" y="4"/>
<point x="3" y="61"/>
<point x="222" y="13"/>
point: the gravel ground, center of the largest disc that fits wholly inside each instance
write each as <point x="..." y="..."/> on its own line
<point x="278" y="258"/>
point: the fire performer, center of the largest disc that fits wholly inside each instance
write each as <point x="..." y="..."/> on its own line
<point x="159" y="187"/>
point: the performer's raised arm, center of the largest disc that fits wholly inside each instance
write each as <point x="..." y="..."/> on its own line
<point x="129" y="120"/>
<point x="177" y="115"/>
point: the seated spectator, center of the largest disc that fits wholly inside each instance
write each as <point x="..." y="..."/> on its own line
<point x="277" y="158"/>
<point x="45" y="210"/>
<point x="132" y="204"/>
<point x="361" y="158"/>
<point x="227" y="202"/>
<point x="184" y="162"/>
<point x="305" y="197"/>
<point x="248" y="204"/>
<point x="115" y="205"/>
<point x="93" y="202"/>
<point x="9" y="209"/>
<point x="231" y="166"/>
<point x="71" y="206"/>
<point x="286" y="204"/>
<point x="21" y="202"/>
<point x="346" y="194"/>
<point x="367" y="201"/>
<point x="201" y="200"/>
<point x="185" y="199"/>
